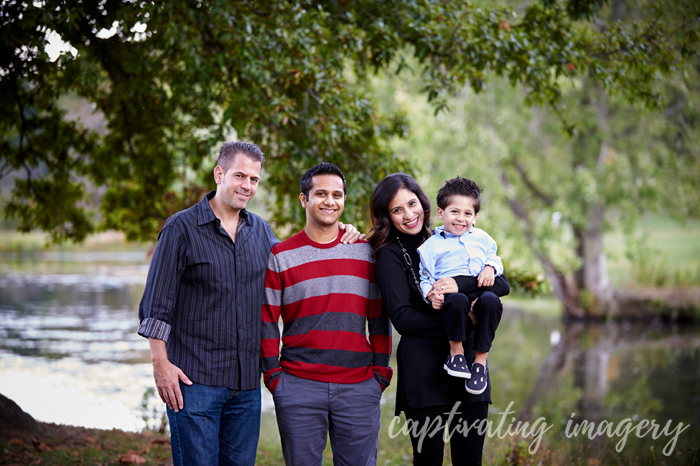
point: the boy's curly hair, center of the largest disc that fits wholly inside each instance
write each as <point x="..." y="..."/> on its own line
<point x="459" y="187"/>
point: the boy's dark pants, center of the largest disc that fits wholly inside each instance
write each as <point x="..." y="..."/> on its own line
<point x="488" y="310"/>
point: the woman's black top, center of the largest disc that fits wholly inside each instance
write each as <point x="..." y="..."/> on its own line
<point x="423" y="348"/>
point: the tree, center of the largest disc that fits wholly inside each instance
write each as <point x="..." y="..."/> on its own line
<point x="563" y="192"/>
<point x="178" y="77"/>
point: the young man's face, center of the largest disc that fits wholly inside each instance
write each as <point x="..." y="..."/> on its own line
<point x="459" y="215"/>
<point x="239" y="183"/>
<point x="326" y="200"/>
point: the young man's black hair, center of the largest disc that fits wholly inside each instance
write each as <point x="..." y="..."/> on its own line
<point x="323" y="168"/>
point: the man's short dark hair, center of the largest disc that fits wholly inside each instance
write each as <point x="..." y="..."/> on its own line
<point x="323" y="168"/>
<point x="230" y="150"/>
<point x="459" y="187"/>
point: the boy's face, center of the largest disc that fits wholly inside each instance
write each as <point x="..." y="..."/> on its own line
<point x="459" y="215"/>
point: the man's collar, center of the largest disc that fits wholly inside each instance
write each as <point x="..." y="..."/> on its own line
<point x="206" y="215"/>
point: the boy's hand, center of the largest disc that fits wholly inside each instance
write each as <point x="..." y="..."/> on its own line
<point x="436" y="299"/>
<point x="487" y="276"/>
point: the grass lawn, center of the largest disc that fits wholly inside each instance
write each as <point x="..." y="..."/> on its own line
<point x="671" y="257"/>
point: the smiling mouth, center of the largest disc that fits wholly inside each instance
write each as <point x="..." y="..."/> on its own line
<point x="412" y="223"/>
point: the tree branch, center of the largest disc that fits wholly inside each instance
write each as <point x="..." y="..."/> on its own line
<point x="6" y="169"/>
<point x="636" y="40"/>
<point x="548" y="200"/>
<point x="257" y="12"/>
<point x="313" y="94"/>
<point x="23" y="126"/>
<point x="564" y="288"/>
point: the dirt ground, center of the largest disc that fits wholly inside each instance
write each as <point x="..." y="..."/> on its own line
<point x="54" y="444"/>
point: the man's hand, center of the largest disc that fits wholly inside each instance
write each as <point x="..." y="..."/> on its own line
<point x="487" y="276"/>
<point x="351" y="234"/>
<point x="167" y="376"/>
<point x="446" y="285"/>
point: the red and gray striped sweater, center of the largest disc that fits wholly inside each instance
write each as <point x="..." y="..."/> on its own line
<point x="325" y="294"/>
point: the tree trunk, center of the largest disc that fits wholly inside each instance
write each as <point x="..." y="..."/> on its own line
<point x="563" y="285"/>
<point x="566" y="290"/>
<point x="596" y="296"/>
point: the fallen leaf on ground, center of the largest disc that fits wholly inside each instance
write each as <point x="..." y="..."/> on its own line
<point x="131" y="458"/>
<point x="41" y="446"/>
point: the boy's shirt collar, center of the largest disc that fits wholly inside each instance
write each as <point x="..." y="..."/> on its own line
<point x="446" y="234"/>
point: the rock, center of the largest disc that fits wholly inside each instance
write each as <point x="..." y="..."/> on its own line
<point x="12" y="418"/>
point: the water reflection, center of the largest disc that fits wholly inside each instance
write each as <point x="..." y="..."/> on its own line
<point x="606" y="373"/>
<point x="88" y="316"/>
<point x="69" y="353"/>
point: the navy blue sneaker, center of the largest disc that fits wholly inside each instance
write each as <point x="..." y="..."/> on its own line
<point x="477" y="384"/>
<point x="456" y="366"/>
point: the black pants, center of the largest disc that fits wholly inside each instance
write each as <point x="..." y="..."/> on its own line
<point x="465" y="449"/>
<point x="488" y="310"/>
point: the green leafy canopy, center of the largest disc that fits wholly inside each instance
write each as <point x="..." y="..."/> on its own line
<point x="289" y="76"/>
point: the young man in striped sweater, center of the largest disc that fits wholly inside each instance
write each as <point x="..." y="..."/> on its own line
<point x="330" y="377"/>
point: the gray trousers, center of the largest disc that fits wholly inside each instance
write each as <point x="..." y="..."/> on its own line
<point x="308" y="411"/>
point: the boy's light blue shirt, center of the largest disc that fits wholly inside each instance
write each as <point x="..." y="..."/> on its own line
<point x="447" y="255"/>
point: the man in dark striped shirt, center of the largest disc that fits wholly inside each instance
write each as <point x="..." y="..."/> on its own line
<point x="201" y="313"/>
<point x="330" y="376"/>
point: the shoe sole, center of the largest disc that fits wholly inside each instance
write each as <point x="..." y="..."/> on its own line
<point x="474" y="392"/>
<point x="461" y="375"/>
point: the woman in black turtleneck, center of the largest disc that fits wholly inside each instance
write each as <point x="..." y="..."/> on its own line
<point x="400" y="214"/>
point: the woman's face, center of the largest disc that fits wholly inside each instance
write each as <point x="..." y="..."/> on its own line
<point x="406" y="212"/>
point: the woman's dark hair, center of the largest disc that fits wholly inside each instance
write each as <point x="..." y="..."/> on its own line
<point x="382" y="196"/>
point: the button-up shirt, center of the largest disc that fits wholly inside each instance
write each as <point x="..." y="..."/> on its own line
<point x="204" y="295"/>
<point x="447" y="255"/>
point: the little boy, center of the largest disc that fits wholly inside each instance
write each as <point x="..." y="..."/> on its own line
<point x="460" y="250"/>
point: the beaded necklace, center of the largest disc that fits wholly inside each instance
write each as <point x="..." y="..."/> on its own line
<point x="409" y="263"/>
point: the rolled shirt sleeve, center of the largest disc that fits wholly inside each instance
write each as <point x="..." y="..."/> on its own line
<point x="492" y="258"/>
<point x="160" y="295"/>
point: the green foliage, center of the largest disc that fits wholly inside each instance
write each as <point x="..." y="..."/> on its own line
<point x="545" y="193"/>
<point x="290" y="76"/>
<point x="528" y="281"/>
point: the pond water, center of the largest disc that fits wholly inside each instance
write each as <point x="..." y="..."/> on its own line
<point x="69" y="354"/>
<point x="69" y="351"/>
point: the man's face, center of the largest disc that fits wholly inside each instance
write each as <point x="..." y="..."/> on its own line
<point x="326" y="200"/>
<point x="238" y="184"/>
